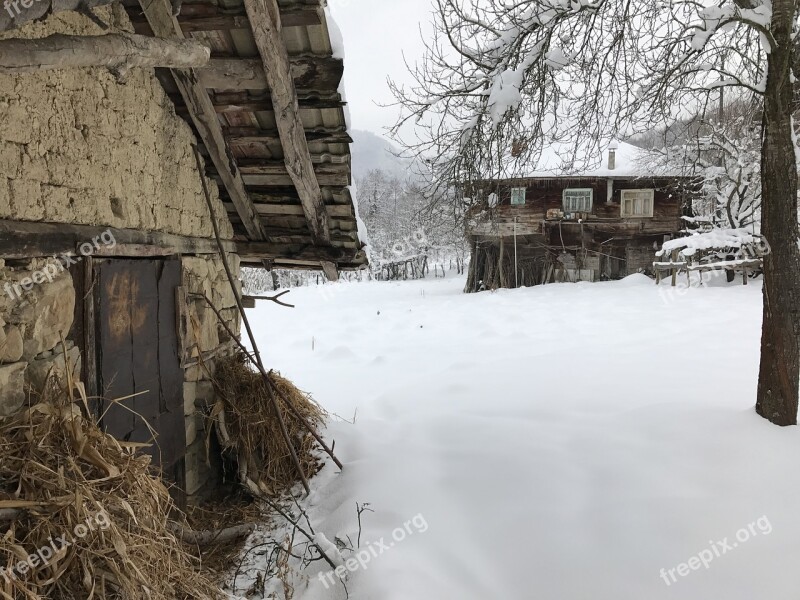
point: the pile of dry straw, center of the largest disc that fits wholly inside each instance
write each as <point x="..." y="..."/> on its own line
<point x="248" y="429"/>
<point x="81" y="514"/>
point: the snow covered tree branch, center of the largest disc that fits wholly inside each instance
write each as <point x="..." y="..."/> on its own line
<point x="499" y="80"/>
<point x="576" y="71"/>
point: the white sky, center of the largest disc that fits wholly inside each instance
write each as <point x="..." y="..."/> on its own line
<point x="376" y="34"/>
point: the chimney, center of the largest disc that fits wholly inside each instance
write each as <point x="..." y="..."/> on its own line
<point x="612" y="156"/>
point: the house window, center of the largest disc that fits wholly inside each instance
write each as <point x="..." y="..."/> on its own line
<point x="517" y="196"/>
<point x="578" y="200"/>
<point x="637" y="203"/>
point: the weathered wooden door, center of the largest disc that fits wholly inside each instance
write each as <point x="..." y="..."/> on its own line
<point x="137" y="353"/>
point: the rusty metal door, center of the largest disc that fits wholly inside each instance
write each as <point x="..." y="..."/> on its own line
<point x="137" y="353"/>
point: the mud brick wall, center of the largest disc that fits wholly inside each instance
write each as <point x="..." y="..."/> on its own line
<point x="77" y="146"/>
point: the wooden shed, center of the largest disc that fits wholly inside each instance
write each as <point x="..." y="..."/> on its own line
<point x="108" y="257"/>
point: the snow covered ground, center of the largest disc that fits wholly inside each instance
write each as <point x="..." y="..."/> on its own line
<point x="563" y="442"/>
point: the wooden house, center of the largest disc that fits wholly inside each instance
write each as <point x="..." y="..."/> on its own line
<point x="558" y="223"/>
<point x="126" y="134"/>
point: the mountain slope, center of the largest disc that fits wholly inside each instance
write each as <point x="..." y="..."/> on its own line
<point x="371" y="151"/>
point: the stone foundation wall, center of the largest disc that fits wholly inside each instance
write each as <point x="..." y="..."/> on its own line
<point x="205" y="336"/>
<point x="32" y="326"/>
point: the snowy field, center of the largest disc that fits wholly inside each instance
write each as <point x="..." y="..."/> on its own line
<point x="566" y="442"/>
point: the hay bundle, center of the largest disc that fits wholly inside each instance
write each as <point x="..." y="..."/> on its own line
<point x="89" y="507"/>
<point x="248" y="427"/>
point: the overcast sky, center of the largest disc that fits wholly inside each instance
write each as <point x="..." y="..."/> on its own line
<point x="376" y="34"/>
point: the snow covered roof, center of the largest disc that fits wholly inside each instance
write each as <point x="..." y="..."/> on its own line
<point x="565" y="160"/>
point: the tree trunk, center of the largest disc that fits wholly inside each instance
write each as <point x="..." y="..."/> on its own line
<point x="114" y="51"/>
<point x="780" y="367"/>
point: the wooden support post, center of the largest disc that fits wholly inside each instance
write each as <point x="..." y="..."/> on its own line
<point x="674" y="259"/>
<point x="501" y="274"/>
<point x="266" y="22"/>
<point x="117" y="51"/>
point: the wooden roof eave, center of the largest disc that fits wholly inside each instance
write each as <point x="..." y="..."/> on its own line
<point x="265" y="19"/>
<point x="201" y="110"/>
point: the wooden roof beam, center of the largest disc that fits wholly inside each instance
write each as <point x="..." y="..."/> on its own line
<point x="236" y="102"/>
<point x="204" y="117"/>
<point x="299" y="252"/>
<point x="324" y="135"/>
<point x="335" y="211"/>
<point x="265" y="19"/>
<point x="115" y="51"/>
<point x="308" y="73"/>
<point x="26" y="239"/>
<point x="208" y="17"/>
<point x="354" y="265"/>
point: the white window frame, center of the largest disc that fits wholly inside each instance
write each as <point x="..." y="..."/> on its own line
<point x="633" y="214"/>
<point x="571" y="210"/>
<point x="514" y="193"/>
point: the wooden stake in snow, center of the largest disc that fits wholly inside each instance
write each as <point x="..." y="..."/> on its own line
<point x="118" y="52"/>
<point x="238" y="297"/>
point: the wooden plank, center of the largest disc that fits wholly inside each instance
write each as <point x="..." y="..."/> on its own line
<point x="281" y="179"/>
<point x="309" y="73"/>
<point x="278" y="175"/>
<point x="236" y="102"/>
<point x="733" y="265"/>
<point x="278" y="169"/>
<point x="204" y="117"/>
<point x="266" y="136"/>
<point x="208" y="17"/>
<point x="347" y="265"/>
<point x="298" y="252"/>
<point x="335" y="211"/>
<point x="24" y="239"/>
<point x="340" y="210"/>
<point x="265" y="20"/>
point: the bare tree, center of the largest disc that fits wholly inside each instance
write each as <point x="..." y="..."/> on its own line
<point x="721" y="153"/>
<point x="507" y="76"/>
